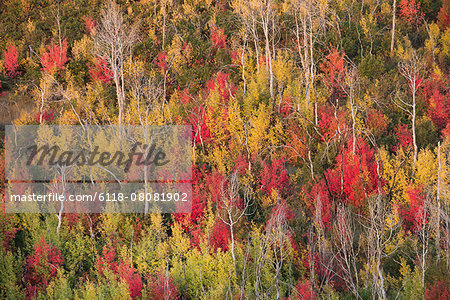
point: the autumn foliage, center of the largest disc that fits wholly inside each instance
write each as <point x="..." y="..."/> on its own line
<point x="122" y="269"/>
<point x="100" y="71"/>
<point x="357" y="172"/>
<point x="54" y="57"/>
<point x="410" y="11"/>
<point x="42" y="267"/>
<point x="11" y="61"/>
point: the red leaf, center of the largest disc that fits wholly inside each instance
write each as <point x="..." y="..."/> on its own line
<point x="410" y="11"/>
<point x="54" y="58"/>
<point x="41" y="267"/>
<point x="11" y="61"/>
<point x="218" y="37"/>
<point x="100" y="71"/>
<point x="89" y="23"/>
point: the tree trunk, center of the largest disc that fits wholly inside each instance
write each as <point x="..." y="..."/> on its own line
<point x="438" y="200"/>
<point x="414" y="124"/>
<point x="394" y="9"/>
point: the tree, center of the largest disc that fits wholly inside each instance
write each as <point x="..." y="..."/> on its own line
<point x="11" y="61"/>
<point x="350" y="89"/>
<point x="42" y="267"/>
<point x="346" y="256"/>
<point x="274" y="246"/>
<point x="100" y="71"/>
<point x="231" y="207"/>
<point x="410" y="11"/>
<point x="261" y="14"/>
<point x="411" y="69"/>
<point x="114" y="41"/>
<point x="54" y="57"/>
<point x="394" y="10"/>
<point x="278" y="232"/>
<point x="310" y="23"/>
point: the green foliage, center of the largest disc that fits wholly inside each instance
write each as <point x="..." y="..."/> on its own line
<point x="10" y="275"/>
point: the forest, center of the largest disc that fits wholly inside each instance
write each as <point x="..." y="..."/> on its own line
<point x="320" y="146"/>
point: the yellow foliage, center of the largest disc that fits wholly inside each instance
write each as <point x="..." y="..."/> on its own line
<point x="445" y="40"/>
<point x="395" y="172"/>
<point x="426" y="168"/>
<point x="82" y="49"/>
<point x="259" y="132"/>
<point x="179" y="242"/>
<point x="431" y="43"/>
<point x="25" y="119"/>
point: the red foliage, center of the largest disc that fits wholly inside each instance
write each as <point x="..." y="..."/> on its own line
<point x="122" y="269"/>
<point x="328" y="125"/>
<point x="206" y="188"/>
<point x="100" y="71"/>
<point x="190" y="221"/>
<point x="198" y="119"/>
<point x="376" y="121"/>
<point x="89" y="23"/>
<point x="413" y="212"/>
<point x="334" y="68"/>
<point x="438" y="100"/>
<point x="11" y="61"/>
<point x="213" y="184"/>
<point x="358" y="173"/>
<point x="320" y="196"/>
<point x="161" y="62"/>
<point x="443" y="18"/>
<point x="132" y="278"/>
<point x="41" y="267"/>
<point x="224" y="86"/>
<point x="236" y="56"/>
<point x="108" y="260"/>
<point x="404" y="137"/>
<point x="440" y="290"/>
<point x="162" y="287"/>
<point x="7" y="230"/>
<point x="54" y="58"/>
<point x="241" y="164"/>
<point x="218" y="37"/>
<point x="274" y="177"/>
<point x="304" y="291"/>
<point x="47" y="116"/>
<point x="446" y="132"/>
<point x="185" y="96"/>
<point x="409" y="10"/>
<point x="220" y="236"/>
<point x="281" y="211"/>
<point x="286" y="106"/>
<point x="319" y="265"/>
<point x="439" y="110"/>
<point x="296" y="142"/>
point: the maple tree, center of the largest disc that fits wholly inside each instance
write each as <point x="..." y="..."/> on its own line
<point x="412" y="212"/>
<point x="54" y="57"/>
<point x="42" y="267"/>
<point x="89" y="23"/>
<point x="410" y="11"/>
<point x="100" y="71"/>
<point x="162" y="287"/>
<point x="122" y="269"/>
<point x="444" y="15"/>
<point x="218" y="37"/>
<point x="11" y="62"/>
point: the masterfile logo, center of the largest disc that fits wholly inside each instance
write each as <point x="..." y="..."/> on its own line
<point x="98" y="168"/>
